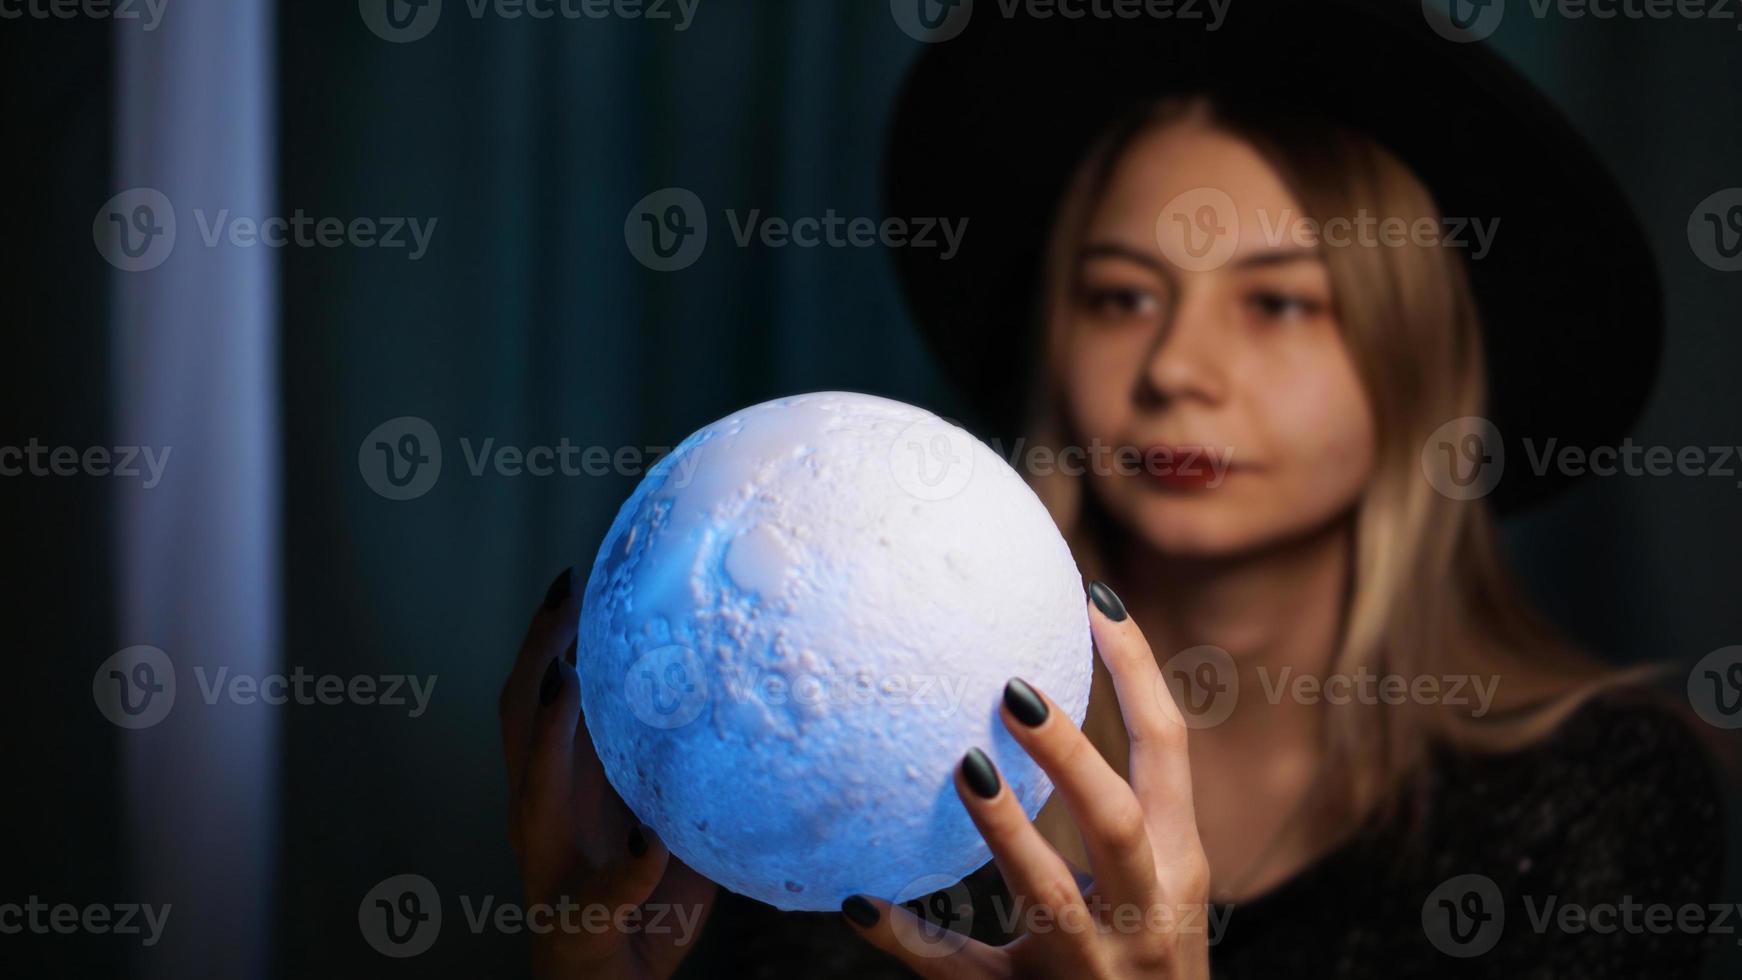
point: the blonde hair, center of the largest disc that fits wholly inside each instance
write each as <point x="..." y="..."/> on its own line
<point x="1429" y="593"/>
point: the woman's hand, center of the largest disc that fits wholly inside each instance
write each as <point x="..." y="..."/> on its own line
<point x="615" y="901"/>
<point x="1145" y="914"/>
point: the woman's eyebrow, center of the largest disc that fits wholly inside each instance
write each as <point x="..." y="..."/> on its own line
<point x="1278" y="256"/>
<point x="1115" y="250"/>
<point x="1260" y="259"/>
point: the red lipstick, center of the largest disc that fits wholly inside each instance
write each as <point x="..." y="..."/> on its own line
<point x="1186" y="468"/>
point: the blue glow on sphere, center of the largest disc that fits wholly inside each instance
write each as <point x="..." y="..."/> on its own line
<point x="799" y="622"/>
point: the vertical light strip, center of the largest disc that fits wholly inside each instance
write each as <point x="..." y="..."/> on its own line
<point x="195" y="369"/>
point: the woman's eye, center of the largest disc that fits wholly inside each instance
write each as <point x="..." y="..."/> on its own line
<point x="1283" y="306"/>
<point x="1119" y="302"/>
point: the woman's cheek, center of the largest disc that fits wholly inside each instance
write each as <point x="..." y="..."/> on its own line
<point x="1327" y="432"/>
<point x="1098" y="395"/>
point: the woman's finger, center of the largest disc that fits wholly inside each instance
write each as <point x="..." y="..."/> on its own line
<point x="605" y="894"/>
<point x="1034" y="872"/>
<point x="552" y="629"/>
<point x="1160" y="769"/>
<point x="545" y="815"/>
<point x="924" y="948"/>
<point x="1104" y="807"/>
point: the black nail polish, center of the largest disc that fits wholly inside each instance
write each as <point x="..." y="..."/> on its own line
<point x="569" y="654"/>
<point x="1107" y="602"/>
<point x="559" y="590"/>
<point x="637" y="842"/>
<point x="1024" y="703"/>
<point x="861" y="912"/>
<point x="551" y="685"/>
<point x="982" y="777"/>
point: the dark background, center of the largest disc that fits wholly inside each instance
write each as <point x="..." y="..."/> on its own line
<point x="529" y="321"/>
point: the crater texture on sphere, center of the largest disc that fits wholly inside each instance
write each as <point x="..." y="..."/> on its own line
<point x="796" y="626"/>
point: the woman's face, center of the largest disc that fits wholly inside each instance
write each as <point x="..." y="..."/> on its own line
<point x="1210" y="347"/>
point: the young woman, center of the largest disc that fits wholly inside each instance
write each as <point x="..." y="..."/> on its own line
<point x="1375" y="760"/>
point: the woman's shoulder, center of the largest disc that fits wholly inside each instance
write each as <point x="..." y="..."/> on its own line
<point x="1628" y="763"/>
<point x="1625" y="740"/>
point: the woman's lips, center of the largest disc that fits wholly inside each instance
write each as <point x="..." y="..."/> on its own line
<point x="1187" y="468"/>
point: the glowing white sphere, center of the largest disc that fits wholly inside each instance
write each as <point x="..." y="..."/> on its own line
<point x="796" y="626"/>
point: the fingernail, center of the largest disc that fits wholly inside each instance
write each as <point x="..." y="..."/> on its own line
<point x="551" y="685"/>
<point x="982" y="777"/>
<point x="1024" y="703"/>
<point x="569" y="654"/>
<point x="637" y="842"/>
<point x="1107" y="602"/>
<point x="559" y="590"/>
<point x="861" y="912"/>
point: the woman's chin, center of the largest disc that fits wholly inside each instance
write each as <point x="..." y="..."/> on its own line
<point x="1197" y="530"/>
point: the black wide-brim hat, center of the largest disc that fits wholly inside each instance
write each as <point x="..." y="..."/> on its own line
<point x="991" y="124"/>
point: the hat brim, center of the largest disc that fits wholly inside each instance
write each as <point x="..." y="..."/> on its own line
<point x="990" y="125"/>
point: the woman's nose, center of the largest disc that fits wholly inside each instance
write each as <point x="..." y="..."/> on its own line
<point x="1187" y="359"/>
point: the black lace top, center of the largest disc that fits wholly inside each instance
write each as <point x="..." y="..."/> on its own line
<point x="1588" y="855"/>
